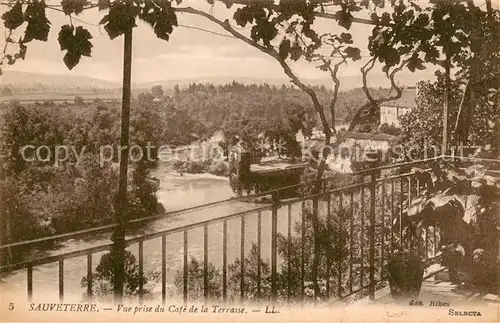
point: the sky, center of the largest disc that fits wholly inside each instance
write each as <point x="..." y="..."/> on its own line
<point x="189" y="54"/>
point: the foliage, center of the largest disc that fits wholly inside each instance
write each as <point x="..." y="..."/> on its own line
<point x="421" y="131"/>
<point x="196" y="271"/>
<point x="76" y="42"/>
<point x="190" y="167"/>
<point x="157" y="91"/>
<point x="79" y="100"/>
<point x="332" y="248"/>
<point x="464" y="205"/>
<point x="103" y="277"/>
<point x="411" y="29"/>
<point x="16" y="210"/>
<point x="121" y="17"/>
<point x="404" y="34"/>
<point x="405" y="271"/>
<point x="195" y="281"/>
<point x="219" y="169"/>
<point x="389" y="129"/>
<point x="87" y="199"/>
<point x="77" y="192"/>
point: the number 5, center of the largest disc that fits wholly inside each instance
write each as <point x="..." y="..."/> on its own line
<point x="11" y="306"/>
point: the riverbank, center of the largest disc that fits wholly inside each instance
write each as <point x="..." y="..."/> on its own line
<point x="200" y="176"/>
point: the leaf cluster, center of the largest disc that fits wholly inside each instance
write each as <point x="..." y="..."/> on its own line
<point x="457" y="200"/>
<point x="120" y="18"/>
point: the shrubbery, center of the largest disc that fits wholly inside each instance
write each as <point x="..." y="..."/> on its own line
<point x="331" y="241"/>
<point x="198" y="167"/>
<point x="103" y="278"/>
<point x="220" y="169"/>
<point x="41" y="197"/>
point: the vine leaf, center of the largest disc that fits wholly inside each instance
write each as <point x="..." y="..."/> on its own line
<point x="295" y="51"/>
<point x="103" y="4"/>
<point x="353" y="53"/>
<point x="325" y="66"/>
<point x="14" y="17"/>
<point x="121" y="18"/>
<point x="22" y="51"/>
<point x="386" y="18"/>
<point x="284" y="48"/>
<point x="162" y="19"/>
<point x="76" y="42"/>
<point x="415" y="63"/>
<point x="228" y="3"/>
<point x="38" y="24"/>
<point x="346" y="38"/>
<point x="344" y="19"/>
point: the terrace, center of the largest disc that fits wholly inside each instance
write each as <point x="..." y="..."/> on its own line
<point x="264" y="252"/>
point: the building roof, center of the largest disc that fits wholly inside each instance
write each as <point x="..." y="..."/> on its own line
<point x="407" y="99"/>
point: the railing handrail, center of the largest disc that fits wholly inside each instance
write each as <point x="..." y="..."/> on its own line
<point x="130" y="241"/>
<point x="70" y="235"/>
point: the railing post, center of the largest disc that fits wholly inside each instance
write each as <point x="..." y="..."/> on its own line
<point x="372" y="235"/>
<point x="274" y="247"/>
<point x="315" y="219"/>
<point x="29" y="271"/>
<point x="224" y="262"/>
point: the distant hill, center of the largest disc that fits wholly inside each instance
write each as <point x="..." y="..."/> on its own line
<point x="23" y="82"/>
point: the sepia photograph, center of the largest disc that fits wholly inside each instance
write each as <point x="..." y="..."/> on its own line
<point x="250" y="160"/>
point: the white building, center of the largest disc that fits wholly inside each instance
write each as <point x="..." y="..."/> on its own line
<point x="356" y="147"/>
<point x="392" y="110"/>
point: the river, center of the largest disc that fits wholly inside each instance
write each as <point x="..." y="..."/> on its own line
<point x="176" y="192"/>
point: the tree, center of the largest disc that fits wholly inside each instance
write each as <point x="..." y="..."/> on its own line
<point x="421" y="134"/>
<point x="79" y="100"/>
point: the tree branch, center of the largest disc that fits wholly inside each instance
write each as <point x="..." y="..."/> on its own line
<point x="375" y="103"/>
<point x="269" y="50"/>
<point x="318" y="14"/>
<point x="333" y="102"/>
<point x="364" y="72"/>
<point x="327" y="15"/>
<point x="394" y="86"/>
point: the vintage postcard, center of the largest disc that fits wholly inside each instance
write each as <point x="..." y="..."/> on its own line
<point x="249" y="161"/>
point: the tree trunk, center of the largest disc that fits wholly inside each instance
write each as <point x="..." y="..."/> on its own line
<point x="315" y="219"/>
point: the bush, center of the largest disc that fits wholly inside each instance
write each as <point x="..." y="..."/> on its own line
<point x="219" y="169"/>
<point x="90" y="201"/>
<point x="195" y="281"/>
<point x="332" y="246"/>
<point x="190" y="166"/>
<point x="390" y="129"/>
<point x="79" y="100"/>
<point x="18" y="222"/>
<point x="103" y="278"/>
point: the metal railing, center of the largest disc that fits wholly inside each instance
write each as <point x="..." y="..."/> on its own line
<point x="358" y="219"/>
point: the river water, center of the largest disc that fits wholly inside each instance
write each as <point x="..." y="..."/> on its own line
<point x="176" y="192"/>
